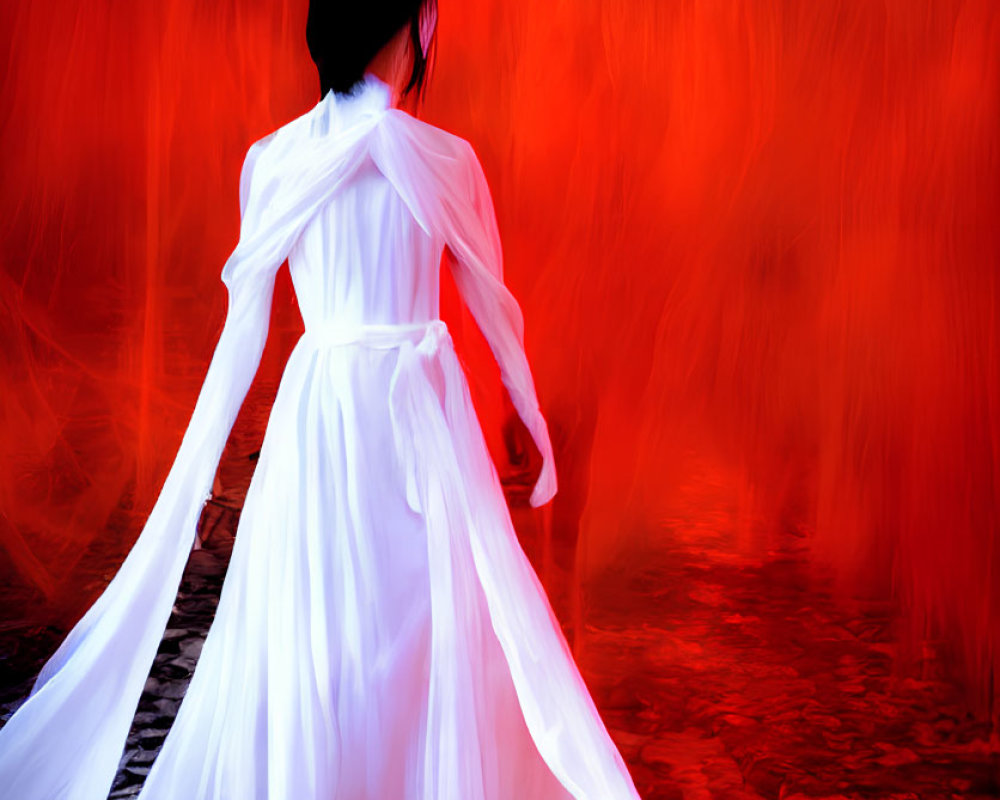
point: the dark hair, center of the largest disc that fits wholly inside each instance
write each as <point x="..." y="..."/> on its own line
<point x="344" y="36"/>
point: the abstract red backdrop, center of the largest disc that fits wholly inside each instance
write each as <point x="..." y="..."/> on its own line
<point x="760" y="231"/>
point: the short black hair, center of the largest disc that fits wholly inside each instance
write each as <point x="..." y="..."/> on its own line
<point x="345" y="35"/>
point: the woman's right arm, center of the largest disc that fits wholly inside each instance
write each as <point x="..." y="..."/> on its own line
<point x="476" y="262"/>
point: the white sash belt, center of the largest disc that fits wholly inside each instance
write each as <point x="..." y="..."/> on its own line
<point x="378" y="335"/>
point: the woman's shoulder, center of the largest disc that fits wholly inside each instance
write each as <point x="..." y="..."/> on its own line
<point x="438" y="139"/>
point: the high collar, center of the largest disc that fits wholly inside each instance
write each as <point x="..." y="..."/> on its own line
<point x="370" y="99"/>
<point x="370" y="95"/>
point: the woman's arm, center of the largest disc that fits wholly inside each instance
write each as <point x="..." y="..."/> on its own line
<point x="476" y="262"/>
<point x="81" y="705"/>
<point x="237" y="354"/>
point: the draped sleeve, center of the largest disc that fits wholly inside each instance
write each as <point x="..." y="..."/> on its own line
<point x="476" y="263"/>
<point x="240" y="346"/>
<point x="70" y="731"/>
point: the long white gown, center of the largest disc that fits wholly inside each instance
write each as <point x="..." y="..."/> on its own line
<point x="380" y="634"/>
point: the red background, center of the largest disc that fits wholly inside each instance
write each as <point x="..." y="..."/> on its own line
<point x="759" y="234"/>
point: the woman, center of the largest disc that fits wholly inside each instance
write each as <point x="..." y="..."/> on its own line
<point x="380" y="633"/>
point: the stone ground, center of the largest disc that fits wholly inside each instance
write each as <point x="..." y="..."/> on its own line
<point x="719" y="674"/>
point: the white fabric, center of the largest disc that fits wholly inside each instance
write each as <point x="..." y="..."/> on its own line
<point x="380" y="632"/>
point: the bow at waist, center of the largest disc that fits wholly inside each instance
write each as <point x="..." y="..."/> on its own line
<point x="425" y="389"/>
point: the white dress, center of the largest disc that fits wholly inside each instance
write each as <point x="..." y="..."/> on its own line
<point x="380" y="634"/>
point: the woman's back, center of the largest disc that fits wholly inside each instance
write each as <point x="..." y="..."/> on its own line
<point x="364" y="259"/>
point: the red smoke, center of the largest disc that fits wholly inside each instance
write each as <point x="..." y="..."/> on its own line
<point x="764" y="232"/>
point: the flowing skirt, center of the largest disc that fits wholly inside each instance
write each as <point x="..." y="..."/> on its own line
<point x="380" y="634"/>
<point x="315" y="678"/>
